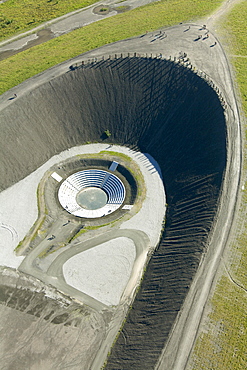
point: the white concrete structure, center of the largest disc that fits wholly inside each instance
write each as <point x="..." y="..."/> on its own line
<point x="56" y="176"/>
<point x="74" y="185"/>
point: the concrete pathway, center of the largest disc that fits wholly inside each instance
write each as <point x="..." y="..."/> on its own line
<point x="55" y="274"/>
<point x="65" y="24"/>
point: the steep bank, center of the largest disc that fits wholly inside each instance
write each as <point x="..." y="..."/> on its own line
<point x="165" y="110"/>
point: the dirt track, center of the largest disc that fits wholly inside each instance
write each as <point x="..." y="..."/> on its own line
<point x="39" y="325"/>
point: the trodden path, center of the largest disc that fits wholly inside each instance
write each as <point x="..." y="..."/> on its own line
<point x="225" y="7"/>
<point x="83" y="17"/>
<point x="177" y="358"/>
<point x="63" y="25"/>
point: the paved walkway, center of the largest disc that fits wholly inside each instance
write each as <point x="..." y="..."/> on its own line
<point x="65" y="24"/>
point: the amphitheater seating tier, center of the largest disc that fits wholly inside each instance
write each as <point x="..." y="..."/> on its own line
<point x="110" y="183"/>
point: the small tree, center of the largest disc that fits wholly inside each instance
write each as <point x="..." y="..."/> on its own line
<point x="107" y="133"/>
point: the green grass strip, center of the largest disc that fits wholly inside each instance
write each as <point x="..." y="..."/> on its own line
<point x="18" y="16"/>
<point x="18" y="68"/>
<point x="241" y="71"/>
<point x="234" y="27"/>
<point x="222" y="344"/>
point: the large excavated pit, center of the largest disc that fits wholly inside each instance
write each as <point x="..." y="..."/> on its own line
<point x="161" y="108"/>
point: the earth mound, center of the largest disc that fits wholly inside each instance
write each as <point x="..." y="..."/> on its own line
<point x="161" y="108"/>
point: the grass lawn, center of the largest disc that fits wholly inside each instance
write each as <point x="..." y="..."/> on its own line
<point x="18" y="16"/>
<point x="18" y="68"/>
<point x="222" y="344"/>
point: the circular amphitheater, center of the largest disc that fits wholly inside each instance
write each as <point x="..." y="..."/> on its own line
<point x="91" y="193"/>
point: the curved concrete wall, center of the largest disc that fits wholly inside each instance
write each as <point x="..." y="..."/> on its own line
<point x="165" y="110"/>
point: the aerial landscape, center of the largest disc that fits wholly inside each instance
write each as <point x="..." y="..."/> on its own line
<point x="123" y="184"/>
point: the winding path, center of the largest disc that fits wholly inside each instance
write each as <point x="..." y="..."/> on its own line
<point x="177" y="351"/>
<point x="63" y="25"/>
<point x="54" y="274"/>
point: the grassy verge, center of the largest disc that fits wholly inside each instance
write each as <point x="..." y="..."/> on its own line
<point x="45" y="217"/>
<point x="18" y="68"/>
<point x="37" y="226"/>
<point x="18" y="16"/>
<point x="235" y="26"/>
<point x="132" y="168"/>
<point x="222" y="344"/>
<point x="96" y="227"/>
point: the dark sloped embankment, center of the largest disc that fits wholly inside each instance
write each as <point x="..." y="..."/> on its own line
<point x="163" y="109"/>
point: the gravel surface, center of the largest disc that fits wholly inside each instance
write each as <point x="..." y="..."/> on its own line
<point x="18" y="204"/>
<point x="200" y="170"/>
<point x="103" y="271"/>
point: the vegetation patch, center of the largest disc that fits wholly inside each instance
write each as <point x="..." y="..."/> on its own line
<point x="26" y="64"/>
<point x="95" y="227"/>
<point x="102" y="9"/>
<point x="107" y="133"/>
<point x="37" y="228"/>
<point x="41" y="227"/>
<point x="122" y="8"/>
<point x="132" y="168"/>
<point x="123" y="156"/>
<point x="22" y="15"/>
<point x="222" y="344"/>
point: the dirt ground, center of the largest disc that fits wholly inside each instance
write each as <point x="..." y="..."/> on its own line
<point x="39" y="327"/>
<point x="206" y="57"/>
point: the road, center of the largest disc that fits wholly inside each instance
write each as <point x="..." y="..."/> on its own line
<point x="62" y="25"/>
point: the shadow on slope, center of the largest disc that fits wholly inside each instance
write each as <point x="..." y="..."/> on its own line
<point x="163" y="109"/>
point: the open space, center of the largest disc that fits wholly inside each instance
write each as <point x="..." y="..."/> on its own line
<point x="166" y="98"/>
